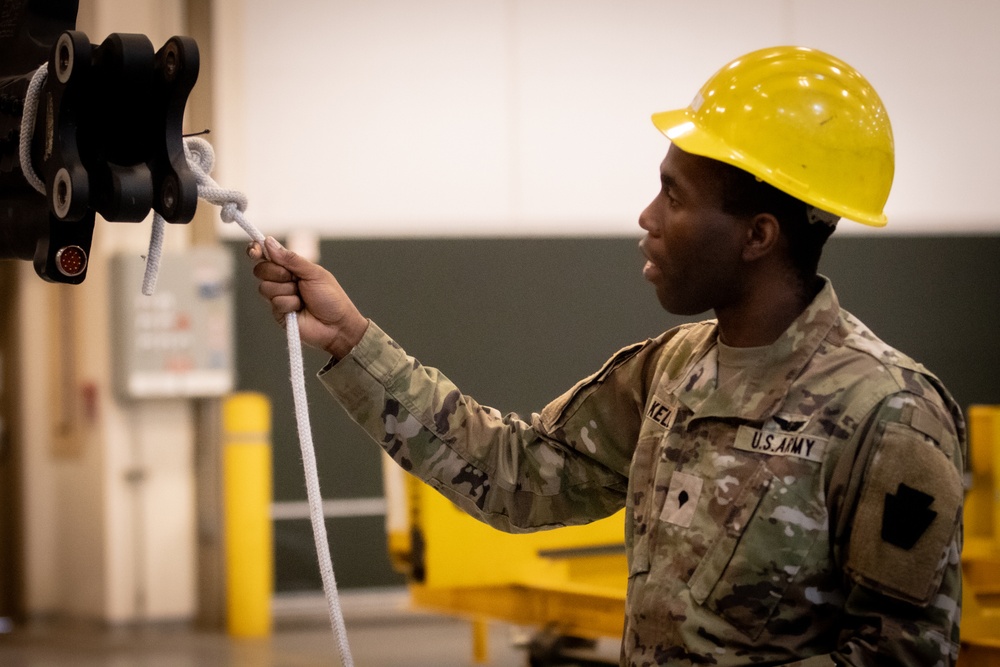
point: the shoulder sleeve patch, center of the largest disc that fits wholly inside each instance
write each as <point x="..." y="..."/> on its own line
<point x="907" y="515"/>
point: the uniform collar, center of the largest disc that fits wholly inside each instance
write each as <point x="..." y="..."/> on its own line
<point x="764" y="392"/>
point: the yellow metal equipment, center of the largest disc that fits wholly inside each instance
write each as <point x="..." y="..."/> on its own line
<point x="572" y="581"/>
<point x="981" y="555"/>
<point x="568" y="582"/>
<point x="249" y="542"/>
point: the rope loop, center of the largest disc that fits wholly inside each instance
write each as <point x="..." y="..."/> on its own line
<point x="200" y="155"/>
<point x="28" y="127"/>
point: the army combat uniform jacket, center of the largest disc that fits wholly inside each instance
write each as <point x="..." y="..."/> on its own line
<point x="807" y="511"/>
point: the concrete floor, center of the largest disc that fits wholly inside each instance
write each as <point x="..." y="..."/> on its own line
<point x="430" y="643"/>
<point x="382" y="630"/>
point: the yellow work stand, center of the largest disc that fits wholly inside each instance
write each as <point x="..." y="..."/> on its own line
<point x="568" y="583"/>
<point x="981" y="555"/>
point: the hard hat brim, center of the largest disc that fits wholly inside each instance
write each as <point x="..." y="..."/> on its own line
<point x="680" y="128"/>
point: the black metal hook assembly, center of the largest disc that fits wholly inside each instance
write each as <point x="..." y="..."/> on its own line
<point x="107" y="134"/>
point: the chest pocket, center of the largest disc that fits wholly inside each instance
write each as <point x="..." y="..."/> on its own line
<point x="639" y="521"/>
<point x="762" y="545"/>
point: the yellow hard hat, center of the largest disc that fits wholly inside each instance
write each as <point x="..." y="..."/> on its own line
<point x="798" y="119"/>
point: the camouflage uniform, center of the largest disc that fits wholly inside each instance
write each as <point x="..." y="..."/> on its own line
<point x="808" y="513"/>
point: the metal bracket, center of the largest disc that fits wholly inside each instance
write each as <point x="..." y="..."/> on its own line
<point x="107" y="136"/>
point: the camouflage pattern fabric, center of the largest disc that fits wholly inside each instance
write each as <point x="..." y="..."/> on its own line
<point x="808" y="512"/>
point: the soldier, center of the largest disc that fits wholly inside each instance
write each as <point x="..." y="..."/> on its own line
<point x="792" y="484"/>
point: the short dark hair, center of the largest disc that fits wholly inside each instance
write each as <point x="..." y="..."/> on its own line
<point x="743" y="194"/>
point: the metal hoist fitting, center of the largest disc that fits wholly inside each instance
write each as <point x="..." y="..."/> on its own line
<point x="107" y="137"/>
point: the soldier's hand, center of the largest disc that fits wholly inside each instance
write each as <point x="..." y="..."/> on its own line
<point x="327" y="317"/>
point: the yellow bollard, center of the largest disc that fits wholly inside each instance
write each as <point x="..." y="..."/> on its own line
<point x="480" y="640"/>
<point x="247" y="492"/>
<point x="982" y="520"/>
<point x="995" y="473"/>
<point x="981" y="553"/>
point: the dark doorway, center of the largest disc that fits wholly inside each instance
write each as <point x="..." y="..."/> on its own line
<point x="11" y="602"/>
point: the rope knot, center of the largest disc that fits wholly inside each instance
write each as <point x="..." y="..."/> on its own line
<point x="200" y="156"/>
<point x="230" y="211"/>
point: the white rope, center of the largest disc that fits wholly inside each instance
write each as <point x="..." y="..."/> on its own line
<point x="28" y="127"/>
<point x="312" y="489"/>
<point x="201" y="157"/>
<point x="154" y="255"/>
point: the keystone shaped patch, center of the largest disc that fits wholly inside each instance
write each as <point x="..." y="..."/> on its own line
<point x="907" y="516"/>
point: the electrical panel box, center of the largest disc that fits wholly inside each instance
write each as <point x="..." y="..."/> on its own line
<point x="178" y="342"/>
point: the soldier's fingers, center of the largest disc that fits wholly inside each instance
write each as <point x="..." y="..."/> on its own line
<point x="254" y="251"/>
<point x="282" y="305"/>
<point x="269" y="290"/>
<point x="272" y="272"/>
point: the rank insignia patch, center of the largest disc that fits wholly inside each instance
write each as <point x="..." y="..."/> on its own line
<point x="682" y="499"/>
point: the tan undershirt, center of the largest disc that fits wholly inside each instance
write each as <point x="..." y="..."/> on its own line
<point x="734" y="361"/>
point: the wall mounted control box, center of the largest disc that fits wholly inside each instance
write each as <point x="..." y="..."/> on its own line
<point x="178" y="342"/>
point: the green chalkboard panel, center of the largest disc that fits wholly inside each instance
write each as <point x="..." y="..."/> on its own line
<point x="514" y="322"/>
<point x="935" y="298"/>
<point x="357" y="548"/>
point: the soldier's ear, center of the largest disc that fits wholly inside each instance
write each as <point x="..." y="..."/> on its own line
<point x="763" y="233"/>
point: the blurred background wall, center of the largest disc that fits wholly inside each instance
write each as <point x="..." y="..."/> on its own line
<point x="512" y="117"/>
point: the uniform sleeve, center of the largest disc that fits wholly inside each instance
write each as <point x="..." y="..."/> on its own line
<point x="898" y="538"/>
<point x="567" y="465"/>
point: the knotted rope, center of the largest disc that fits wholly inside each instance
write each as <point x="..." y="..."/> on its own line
<point x="201" y="158"/>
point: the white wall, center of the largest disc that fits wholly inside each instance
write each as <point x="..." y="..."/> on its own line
<point x="497" y="117"/>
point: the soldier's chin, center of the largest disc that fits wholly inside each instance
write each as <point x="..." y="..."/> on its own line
<point x="675" y="306"/>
